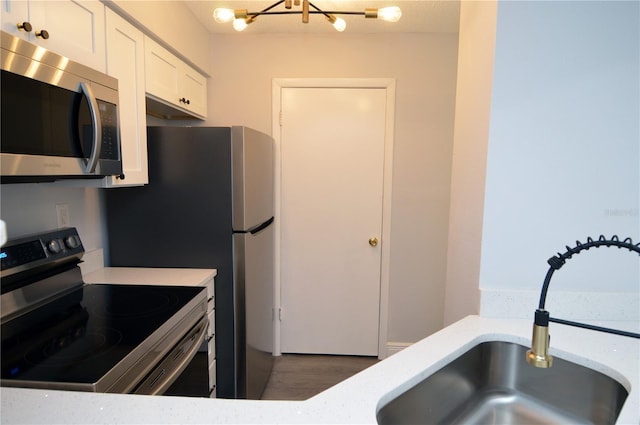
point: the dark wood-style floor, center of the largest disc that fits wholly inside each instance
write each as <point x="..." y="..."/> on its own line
<point x="301" y="376"/>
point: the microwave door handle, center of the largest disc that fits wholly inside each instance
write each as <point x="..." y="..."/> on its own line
<point x="92" y="162"/>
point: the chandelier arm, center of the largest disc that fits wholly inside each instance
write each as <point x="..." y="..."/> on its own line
<point x="265" y="10"/>
<point x="298" y="12"/>
<point x="326" y="14"/>
<point x="337" y="12"/>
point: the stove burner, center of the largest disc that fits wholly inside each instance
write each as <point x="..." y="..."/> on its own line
<point x="74" y="347"/>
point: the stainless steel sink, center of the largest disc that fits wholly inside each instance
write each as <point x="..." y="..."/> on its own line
<point x="493" y="384"/>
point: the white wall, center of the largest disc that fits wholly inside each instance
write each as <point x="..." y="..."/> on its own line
<point x="473" y="106"/>
<point x="31" y="208"/>
<point x="424" y="66"/>
<point x="563" y="157"/>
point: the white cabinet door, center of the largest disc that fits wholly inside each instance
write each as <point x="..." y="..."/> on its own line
<point x="172" y="82"/>
<point x="161" y="72"/>
<point x="125" y="61"/>
<point x="194" y="89"/>
<point x="15" y="13"/>
<point x="75" y="28"/>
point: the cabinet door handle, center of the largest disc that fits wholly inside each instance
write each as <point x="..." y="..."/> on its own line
<point x="25" y="26"/>
<point x="44" y="34"/>
<point x="185" y="100"/>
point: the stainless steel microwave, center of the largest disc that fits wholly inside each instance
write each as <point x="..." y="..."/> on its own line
<point x="59" y="118"/>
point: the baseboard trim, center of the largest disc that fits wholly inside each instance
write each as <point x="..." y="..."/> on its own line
<point x="395" y="347"/>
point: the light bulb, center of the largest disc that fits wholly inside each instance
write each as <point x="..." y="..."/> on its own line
<point x="239" y="24"/>
<point x="339" y="24"/>
<point x="391" y="13"/>
<point x="222" y="15"/>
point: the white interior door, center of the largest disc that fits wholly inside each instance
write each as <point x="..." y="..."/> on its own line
<point x="332" y="153"/>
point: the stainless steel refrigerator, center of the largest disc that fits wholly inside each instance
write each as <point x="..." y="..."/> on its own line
<point x="209" y="204"/>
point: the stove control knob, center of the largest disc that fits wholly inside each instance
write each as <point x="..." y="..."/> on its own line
<point x="54" y="246"/>
<point x="72" y="241"/>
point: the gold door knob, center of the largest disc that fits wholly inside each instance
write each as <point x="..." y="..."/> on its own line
<point x="373" y="241"/>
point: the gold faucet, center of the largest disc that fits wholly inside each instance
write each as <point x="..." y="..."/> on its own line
<point x="538" y="355"/>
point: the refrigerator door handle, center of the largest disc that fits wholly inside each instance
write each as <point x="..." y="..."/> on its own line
<point x="259" y="228"/>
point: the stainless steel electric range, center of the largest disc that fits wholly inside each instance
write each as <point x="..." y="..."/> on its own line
<point x="59" y="333"/>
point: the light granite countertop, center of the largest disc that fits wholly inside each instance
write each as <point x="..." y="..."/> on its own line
<point x="150" y="276"/>
<point x="355" y="400"/>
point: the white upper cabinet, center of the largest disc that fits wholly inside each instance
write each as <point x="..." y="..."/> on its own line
<point x="125" y="61"/>
<point x="72" y="28"/>
<point x="194" y="88"/>
<point x="173" y="87"/>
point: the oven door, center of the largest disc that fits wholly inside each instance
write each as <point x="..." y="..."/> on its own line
<point x="174" y="363"/>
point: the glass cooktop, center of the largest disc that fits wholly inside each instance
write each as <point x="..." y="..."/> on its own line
<point x="79" y="337"/>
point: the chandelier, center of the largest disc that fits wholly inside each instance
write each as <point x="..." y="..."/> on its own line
<point x="242" y="18"/>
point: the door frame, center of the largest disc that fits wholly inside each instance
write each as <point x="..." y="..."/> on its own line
<point x="388" y="84"/>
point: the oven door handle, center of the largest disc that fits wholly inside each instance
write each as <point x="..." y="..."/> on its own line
<point x="169" y="369"/>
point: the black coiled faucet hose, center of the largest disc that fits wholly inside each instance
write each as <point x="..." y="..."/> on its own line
<point x="557" y="261"/>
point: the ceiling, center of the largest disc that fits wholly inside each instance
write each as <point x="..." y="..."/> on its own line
<point x="417" y="16"/>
